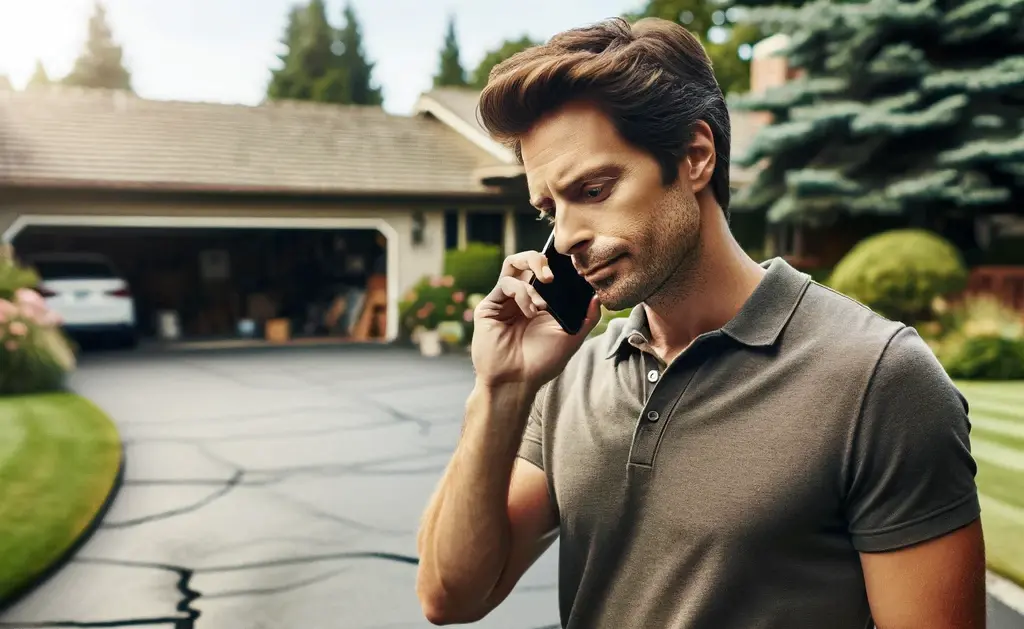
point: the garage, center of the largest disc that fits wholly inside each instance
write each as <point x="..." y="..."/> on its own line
<point x="209" y="279"/>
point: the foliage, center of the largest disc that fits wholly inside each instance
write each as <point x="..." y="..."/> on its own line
<point x="907" y="109"/>
<point x="475" y="269"/>
<point x="431" y="301"/>
<point x="59" y="458"/>
<point x="504" y="51"/>
<point x="899" y="273"/>
<point x="14" y="276"/>
<point x="323" y="64"/>
<point x="718" y="26"/>
<point x="101" y="63"/>
<point x="982" y="340"/>
<point x="33" y="352"/>
<point x="450" y="72"/>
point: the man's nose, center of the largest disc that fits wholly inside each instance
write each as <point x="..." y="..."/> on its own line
<point x="572" y="234"/>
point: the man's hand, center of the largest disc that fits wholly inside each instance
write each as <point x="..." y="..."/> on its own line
<point x="938" y="584"/>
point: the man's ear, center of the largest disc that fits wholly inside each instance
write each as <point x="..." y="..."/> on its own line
<point x="698" y="163"/>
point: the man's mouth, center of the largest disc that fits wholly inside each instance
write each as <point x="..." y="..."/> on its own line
<point x="601" y="271"/>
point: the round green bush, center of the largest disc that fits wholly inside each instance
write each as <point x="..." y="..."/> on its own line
<point x="475" y="269"/>
<point x="899" y="273"/>
<point x="988" y="357"/>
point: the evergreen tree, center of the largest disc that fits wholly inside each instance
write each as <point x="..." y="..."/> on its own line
<point x="904" y="108"/>
<point x="353" y="72"/>
<point x="39" y="77"/>
<point x="450" y="72"/>
<point x="726" y="38"/>
<point x="101" y="64"/>
<point x="507" y="49"/>
<point x="307" y="67"/>
<point x="321" y="63"/>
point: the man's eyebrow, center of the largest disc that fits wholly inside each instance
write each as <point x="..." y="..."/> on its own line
<point x="572" y="179"/>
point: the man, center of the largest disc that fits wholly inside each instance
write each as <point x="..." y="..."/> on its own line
<point x="748" y="450"/>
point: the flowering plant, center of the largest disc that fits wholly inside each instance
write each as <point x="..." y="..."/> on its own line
<point x="433" y="300"/>
<point x="34" y="355"/>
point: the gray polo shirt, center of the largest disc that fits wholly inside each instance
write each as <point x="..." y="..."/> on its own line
<point x="734" y="488"/>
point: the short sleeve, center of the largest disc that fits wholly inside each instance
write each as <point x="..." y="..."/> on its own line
<point x="532" y="446"/>
<point x="910" y="475"/>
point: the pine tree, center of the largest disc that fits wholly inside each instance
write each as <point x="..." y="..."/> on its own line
<point x="725" y="37"/>
<point x="450" y="72"/>
<point x="307" y="70"/>
<point x="353" y="73"/>
<point x="505" y="50"/>
<point x="101" y="63"/>
<point x="904" y="108"/>
<point x="39" y="77"/>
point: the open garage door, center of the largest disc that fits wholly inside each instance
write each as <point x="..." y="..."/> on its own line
<point x="206" y="278"/>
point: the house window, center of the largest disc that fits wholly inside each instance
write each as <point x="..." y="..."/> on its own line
<point x="451" y="229"/>
<point x="485" y="227"/>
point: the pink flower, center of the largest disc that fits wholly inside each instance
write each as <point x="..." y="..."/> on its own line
<point x="7" y="310"/>
<point x="450" y="309"/>
<point x="467" y="316"/>
<point x="459" y="297"/>
<point x="11" y="345"/>
<point x="28" y="297"/>
<point x="435" y="282"/>
<point x="18" y="328"/>
<point x="448" y="281"/>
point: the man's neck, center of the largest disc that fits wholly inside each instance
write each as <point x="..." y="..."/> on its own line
<point x="712" y="293"/>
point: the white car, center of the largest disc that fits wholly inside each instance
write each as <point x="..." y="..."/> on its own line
<point x="89" y="294"/>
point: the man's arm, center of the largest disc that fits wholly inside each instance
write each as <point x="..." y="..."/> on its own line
<point x="485" y="525"/>
<point x="939" y="584"/>
<point x="912" y="502"/>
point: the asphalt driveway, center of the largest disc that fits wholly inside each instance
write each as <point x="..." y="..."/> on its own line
<point x="274" y="489"/>
<point x="269" y="489"/>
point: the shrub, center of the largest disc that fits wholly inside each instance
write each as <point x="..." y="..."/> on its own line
<point x="431" y="301"/>
<point x="34" y="355"/>
<point x="900" y="272"/>
<point x="475" y="269"/>
<point x="13" y="276"/>
<point x="981" y="340"/>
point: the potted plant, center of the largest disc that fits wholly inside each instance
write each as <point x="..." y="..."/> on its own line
<point x="427" y="309"/>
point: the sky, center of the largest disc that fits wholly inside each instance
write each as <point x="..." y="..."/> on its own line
<point x="223" y="50"/>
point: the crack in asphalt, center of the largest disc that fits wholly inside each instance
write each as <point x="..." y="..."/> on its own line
<point x="230" y="484"/>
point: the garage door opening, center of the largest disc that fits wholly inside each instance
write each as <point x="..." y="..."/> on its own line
<point x="216" y="282"/>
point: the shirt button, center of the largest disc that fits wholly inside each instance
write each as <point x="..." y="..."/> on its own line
<point x="652" y="375"/>
<point x="653" y="416"/>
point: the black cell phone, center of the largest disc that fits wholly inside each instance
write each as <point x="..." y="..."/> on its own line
<point x="568" y="295"/>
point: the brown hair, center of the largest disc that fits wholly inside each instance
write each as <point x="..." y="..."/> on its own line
<point x="653" y="78"/>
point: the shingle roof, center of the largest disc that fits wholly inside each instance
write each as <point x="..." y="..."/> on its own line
<point x="66" y="135"/>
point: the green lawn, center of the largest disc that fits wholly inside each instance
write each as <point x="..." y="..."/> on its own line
<point x="59" y="456"/>
<point x="997" y="441"/>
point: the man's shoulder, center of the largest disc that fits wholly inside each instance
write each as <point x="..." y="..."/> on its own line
<point x="841" y="322"/>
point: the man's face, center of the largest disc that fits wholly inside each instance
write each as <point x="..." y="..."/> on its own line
<point x="629" y="235"/>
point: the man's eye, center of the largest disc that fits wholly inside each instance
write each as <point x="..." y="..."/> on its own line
<point x="594" y="192"/>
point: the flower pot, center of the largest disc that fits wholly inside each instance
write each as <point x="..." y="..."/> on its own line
<point x="430" y="343"/>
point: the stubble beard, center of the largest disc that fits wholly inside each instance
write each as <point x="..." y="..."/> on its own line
<point x="670" y="258"/>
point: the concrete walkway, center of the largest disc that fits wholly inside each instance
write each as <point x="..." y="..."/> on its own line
<point x="275" y="489"/>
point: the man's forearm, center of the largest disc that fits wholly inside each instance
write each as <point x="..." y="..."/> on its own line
<point x="464" y="540"/>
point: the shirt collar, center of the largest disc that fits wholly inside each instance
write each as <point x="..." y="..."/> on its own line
<point x="760" y="321"/>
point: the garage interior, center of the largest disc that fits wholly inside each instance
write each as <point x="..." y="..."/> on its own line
<point x="199" y="284"/>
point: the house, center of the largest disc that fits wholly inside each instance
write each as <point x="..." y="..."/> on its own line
<point x="277" y="193"/>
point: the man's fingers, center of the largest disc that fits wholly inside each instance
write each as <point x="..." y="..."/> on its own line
<point x="525" y="296"/>
<point x="527" y="261"/>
